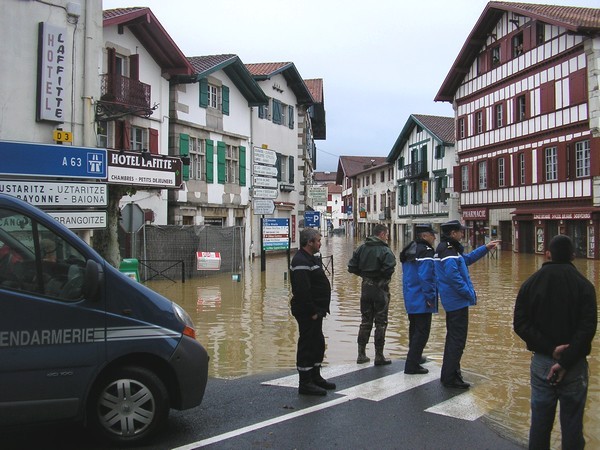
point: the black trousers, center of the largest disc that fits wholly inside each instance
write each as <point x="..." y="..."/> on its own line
<point x="419" y="327"/>
<point x="311" y="343"/>
<point x="374" y="306"/>
<point x="457" y="326"/>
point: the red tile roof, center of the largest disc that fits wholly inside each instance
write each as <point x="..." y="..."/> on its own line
<point x="266" y="69"/>
<point x="442" y="127"/>
<point x="572" y="17"/>
<point x="350" y="166"/>
<point x="204" y="63"/>
<point x="315" y="86"/>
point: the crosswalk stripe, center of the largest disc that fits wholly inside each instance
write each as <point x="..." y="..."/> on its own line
<point x="384" y="387"/>
<point x="326" y="371"/>
<point x="463" y="406"/>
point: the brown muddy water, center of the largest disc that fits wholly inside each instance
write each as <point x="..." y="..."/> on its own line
<point x="247" y="328"/>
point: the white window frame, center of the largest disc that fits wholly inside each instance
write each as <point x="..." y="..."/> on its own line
<point x="138" y="139"/>
<point x="197" y="151"/>
<point x="499" y="115"/>
<point x="214" y="96"/>
<point x="479" y="121"/>
<point x="464" y="175"/>
<point x="582" y="159"/>
<point x="501" y="173"/>
<point x="232" y="157"/>
<point x="522" y="168"/>
<point x="551" y="163"/>
<point x="483" y="175"/>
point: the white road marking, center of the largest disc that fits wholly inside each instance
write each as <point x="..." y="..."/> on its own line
<point x="463" y="406"/>
<point x="266" y="423"/>
<point x="385" y="387"/>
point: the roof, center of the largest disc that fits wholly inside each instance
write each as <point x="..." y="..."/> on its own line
<point x="317" y="116"/>
<point x="350" y="166"/>
<point x="585" y="21"/>
<point x="334" y="189"/>
<point x="265" y="71"/>
<point x="325" y="177"/>
<point x="440" y="127"/>
<point x="151" y="34"/>
<point x="235" y="69"/>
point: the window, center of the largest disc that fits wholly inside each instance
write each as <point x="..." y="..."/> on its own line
<point x="231" y="164"/>
<point x="517" y="45"/>
<point x="582" y="159"/>
<point x="440" y="151"/>
<point x="461" y="128"/>
<point x="540" y="33"/>
<point x="495" y="55"/>
<point x="521" y="108"/>
<point x="464" y="176"/>
<point x="382" y="176"/>
<point x="214" y="94"/>
<point x="521" y="160"/>
<point x="551" y="163"/>
<point x="416" y="193"/>
<point x="441" y="183"/>
<point x="102" y="134"/>
<point x="382" y="202"/>
<point x="402" y="195"/>
<point x="483" y="175"/>
<point x="138" y="139"/>
<point x="479" y="122"/>
<point x="373" y="179"/>
<point x="499" y="115"/>
<point x="197" y="159"/>
<point x="501" y="173"/>
<point x="263" y="111"/>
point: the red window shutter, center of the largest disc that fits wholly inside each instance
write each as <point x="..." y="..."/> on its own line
<point x="578" y="87"/>
<point x="457" y="178"/>
<point x="134" y="67"/>
<point x="547" y="97"/>
<point x="528" y="168"/>
<point x="126" y="135"/>
<point x="472" y="177"/>
<point x="569" y="164"/>
<point x="153" y="141"/>
<point x="329" y="209"/>
<point x="508" y="181"/>
<point x="541" y="165"/>
<point x="119" y="124"/>
<point x="112" y="61"/>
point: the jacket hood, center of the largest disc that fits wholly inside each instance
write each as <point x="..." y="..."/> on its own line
<point x="374" y="240"/>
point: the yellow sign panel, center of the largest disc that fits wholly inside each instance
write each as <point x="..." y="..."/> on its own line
<point x="62" y="136"/>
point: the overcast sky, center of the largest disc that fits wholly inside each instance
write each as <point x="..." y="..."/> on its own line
<point x="380" y="60"/>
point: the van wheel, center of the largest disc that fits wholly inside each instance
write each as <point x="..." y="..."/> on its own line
<point x="128" y="405"/>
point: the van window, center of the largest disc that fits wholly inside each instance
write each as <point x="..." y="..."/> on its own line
<point x="36" y="260"/>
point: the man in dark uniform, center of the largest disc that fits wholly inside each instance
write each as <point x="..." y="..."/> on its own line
<point x="375" y="263"/>
<point x="311" y="294"/>
<point x="420" y="294"/>
<point x="556" y="314"/>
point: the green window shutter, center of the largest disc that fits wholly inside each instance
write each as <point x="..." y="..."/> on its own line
<point x="225" y="97"/>
<point x="291" y="117"/>
<point x="424" y="156"/>
<point x="221" y="162"/>
<point x="210" y="157"/>
<point x="203" y="93"/>
<point x="184" y="150"/>
<point x="278" y="165"/>
<point x="291" y="172"/>
<point x="276" y="112"/>
<point x="242" y="154"/>
<point x="261" y="112"/>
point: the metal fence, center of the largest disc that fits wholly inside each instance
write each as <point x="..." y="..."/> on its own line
<point x="161" y="247"/>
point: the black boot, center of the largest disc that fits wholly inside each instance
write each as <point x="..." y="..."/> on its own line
<point x="306" y="386"/>
<point x="319" y="380"/>
<point x="381" y="360"/>
<point x="362" y="355"/>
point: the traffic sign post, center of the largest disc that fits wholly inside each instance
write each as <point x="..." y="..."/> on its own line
<point x="262" y="206"/>
<point x="132" y="219"/>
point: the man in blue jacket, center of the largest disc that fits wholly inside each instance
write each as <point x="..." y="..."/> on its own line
<point x="420" y="294"/>
<point x="375" y="263"/>
<point x="457" y="294"/>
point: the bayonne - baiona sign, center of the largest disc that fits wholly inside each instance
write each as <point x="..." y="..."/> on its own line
<point x="144" y="169"/>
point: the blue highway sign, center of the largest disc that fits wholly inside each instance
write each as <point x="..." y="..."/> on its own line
<point x="45" y="160"/>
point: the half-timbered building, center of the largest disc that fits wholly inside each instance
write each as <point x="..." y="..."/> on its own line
<point x="527" y="109"/>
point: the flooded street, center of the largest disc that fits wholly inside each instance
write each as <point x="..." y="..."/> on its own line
<point x="247" y="328"/>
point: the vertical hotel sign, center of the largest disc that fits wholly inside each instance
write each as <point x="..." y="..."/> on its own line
<point x="52" y="53"/>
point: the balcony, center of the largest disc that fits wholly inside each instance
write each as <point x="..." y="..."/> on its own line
<point x="416" y="169"/>
<point x="121" y="96"/>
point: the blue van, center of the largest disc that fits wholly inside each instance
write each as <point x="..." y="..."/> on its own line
<point x="81" y="341"/>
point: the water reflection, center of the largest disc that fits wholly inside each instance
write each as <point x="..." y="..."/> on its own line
<point x="247" y="328"/>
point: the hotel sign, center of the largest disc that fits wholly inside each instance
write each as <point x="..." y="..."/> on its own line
<point x="52" y="74"/>
<point x="149" y="169"/>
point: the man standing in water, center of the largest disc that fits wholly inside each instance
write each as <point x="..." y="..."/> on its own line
<point x="420" y="294"/>
<point x="375" y="263"/>
<point x="311" y="295"/>
<point x="556" y="315"/>
<point x="457" y="294"/>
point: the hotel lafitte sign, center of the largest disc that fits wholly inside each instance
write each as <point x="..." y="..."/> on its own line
<point x="52" y="72"/>
<point x="144" y="169"/>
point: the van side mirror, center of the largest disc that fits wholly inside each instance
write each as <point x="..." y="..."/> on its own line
<point x="93" y="276"/>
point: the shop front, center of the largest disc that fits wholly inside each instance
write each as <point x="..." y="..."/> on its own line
<point x="535" y="228"/>
<point x="478" y="226"/>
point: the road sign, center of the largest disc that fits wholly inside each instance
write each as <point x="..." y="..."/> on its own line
<point x="318" y="194"/>
<point x="81" y="220"/>
<point x="47" y="193"/>
<point x="266" y="182"/>
<point x="132" y="217"/>
<point x="276" y="234"/>
<point x="263" y="206"/>
<point x="45" y="160"/>
<point x="312" y="219"/>
<point x="265" y="193"/>
<point x="265" y="156"/>
<point x="268" y="171"/>
<point x="62" y="136"/>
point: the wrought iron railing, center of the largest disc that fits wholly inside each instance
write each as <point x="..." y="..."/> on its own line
<point x="125" y="91"/>
<point x="415" y="169"/>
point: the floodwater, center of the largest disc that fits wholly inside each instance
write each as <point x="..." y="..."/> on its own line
<point x="247" y="328"/>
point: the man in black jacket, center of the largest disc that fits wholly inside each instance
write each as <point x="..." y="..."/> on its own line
<point x="311" y="294"/>
<point x="556" y="315"/>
